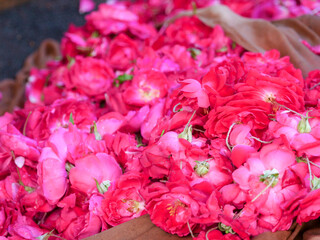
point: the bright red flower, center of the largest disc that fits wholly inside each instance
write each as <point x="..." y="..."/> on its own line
<point x="309" y="208"/>
<point x="125" y="202"/>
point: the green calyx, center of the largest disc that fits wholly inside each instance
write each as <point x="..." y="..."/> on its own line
<point x="194" y="52"/>
<point x="201" y="168"/>
<point x="304" y="125"/>
<point x="71" y="119"/>
<point x="269" y="176"/>
<point x="94" y="130"/>
<point x="224" y="228"/>
<point x="121" y="79"/>
<point x="104" y="186"/>
<point x="187" y="132"/>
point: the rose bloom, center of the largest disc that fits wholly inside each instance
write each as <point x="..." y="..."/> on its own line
<point x="146" y="87"/>
<point x="111" y="19"/>
<point x="125" y="203"/>
<point x="309" y="207"/>
<point x="90" y="76"/>
<point x="122" y="53"/>
<point x="7" y="215"/>
<point x="52" y="175"/>
<point x="98" y="167"/>
<point x="172" y="211"/>
<point x="25" y="228"/>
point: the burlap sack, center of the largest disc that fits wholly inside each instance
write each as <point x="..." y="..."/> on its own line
<point x="254" y="35"/>
<point x="13" y="90"/>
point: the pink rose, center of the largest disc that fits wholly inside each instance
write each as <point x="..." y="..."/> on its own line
<point x="52" y="175"/>
<point x="122" y="52"/>
<point x="90" y="76"/>
<point x="146" y="88"/>
<point x="309" y="208"/>
<point x="13" y="140"/>
<point x="110" y="123"/>
<point x="125" y="202"/>
<point x="8" y="215"/>
<point x="155" y="114"/>
<point x="83" y="226"/>
<point x="111" y="18"/>
<point x="99" y="167"/>
<point x="25" y="228"/>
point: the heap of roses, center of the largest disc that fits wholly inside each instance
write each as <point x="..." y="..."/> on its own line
<point x="178" y="122"/>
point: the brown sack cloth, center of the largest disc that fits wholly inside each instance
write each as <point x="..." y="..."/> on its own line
<point x="257" y="35"/>
<point x="254" y="35"/>
<point x="140" y="228"/>
<point x="143" y="229"/>
<point x="13" y="90"/>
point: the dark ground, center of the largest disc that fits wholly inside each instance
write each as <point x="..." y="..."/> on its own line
<point x="23" y="27"/>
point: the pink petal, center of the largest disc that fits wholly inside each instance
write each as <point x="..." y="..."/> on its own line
<point x="240" y="154"/>
<point x="86" y="6"/>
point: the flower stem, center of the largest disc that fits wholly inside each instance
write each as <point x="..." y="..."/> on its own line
<point x="174" y="108"/>
<point x="199" y="130"/>
<point x="283" y="106"/>
<point x="228" y="135"/>
<point x="207" y="233"/>
<point x="190" y="230"/>
<point x="259" y="140"/>
<point x="25" y="124"/>
<point x="314" y="164"/>
<point x="310" y="172"/>
<point x="318" y="84"/>
<point x="263" y="191"/>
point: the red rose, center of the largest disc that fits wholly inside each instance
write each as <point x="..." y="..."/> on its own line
<point x="172" y="211"/>
<point x="309" y="207"/>
<point x="126" y="202"/>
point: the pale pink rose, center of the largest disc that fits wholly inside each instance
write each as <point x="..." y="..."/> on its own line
<point x="52" y="175"/>
<point x="98" y="167"/>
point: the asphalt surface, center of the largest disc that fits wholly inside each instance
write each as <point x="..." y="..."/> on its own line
<point x="23" y="27"/>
